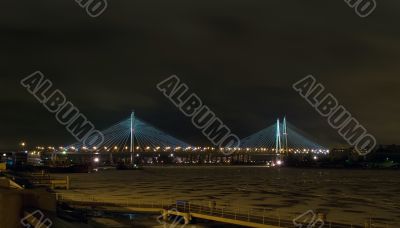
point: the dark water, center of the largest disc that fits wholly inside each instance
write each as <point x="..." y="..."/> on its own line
<point x="348" y="196"/>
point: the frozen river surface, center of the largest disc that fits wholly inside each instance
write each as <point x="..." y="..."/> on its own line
<point x="348" y="196"/>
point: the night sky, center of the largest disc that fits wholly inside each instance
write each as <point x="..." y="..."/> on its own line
<point x="240" y="57"/>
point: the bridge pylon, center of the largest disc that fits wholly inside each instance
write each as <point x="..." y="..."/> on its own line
<point x="285" y="136"/>
<point x="278" y="144"/>
<point x="132" y="130"/>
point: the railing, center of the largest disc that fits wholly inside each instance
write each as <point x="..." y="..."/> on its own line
<point x="43" y="179"/>
<point x="254" y="215"/>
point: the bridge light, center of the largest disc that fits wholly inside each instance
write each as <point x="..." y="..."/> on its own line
<point x="115" y="148"/>
<point x="96" y="159"/>
<point x="279" y="162"/>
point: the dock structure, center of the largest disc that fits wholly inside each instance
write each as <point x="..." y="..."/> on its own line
<point x="187" y="211"/>
<point x="43" y="179"/>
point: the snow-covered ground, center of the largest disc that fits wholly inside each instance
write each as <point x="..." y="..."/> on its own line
<point x="348" y="196"/>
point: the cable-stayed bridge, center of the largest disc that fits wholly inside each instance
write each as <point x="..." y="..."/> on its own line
<point x="281" y="137"/>
<point x="133" y="135"/>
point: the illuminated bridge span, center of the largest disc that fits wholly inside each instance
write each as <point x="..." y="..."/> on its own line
<point x="281" y="137"/>
<point x="124" y="135"/>
<point x="135" y="135"/>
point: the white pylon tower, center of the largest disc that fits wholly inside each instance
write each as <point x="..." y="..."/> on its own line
<point x="285" y="136"/>
<point x="278" y="145"/>
<point x="132" y="149"/>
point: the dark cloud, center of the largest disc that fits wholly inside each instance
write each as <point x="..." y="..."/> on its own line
<point x="240" y="57"/>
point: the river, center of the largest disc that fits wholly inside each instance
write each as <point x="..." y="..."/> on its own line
<point x="347" y="196"/>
